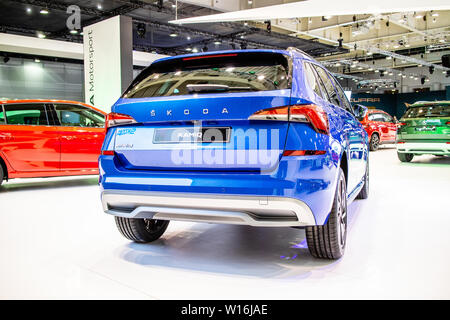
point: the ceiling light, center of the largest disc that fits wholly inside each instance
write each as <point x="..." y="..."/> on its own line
<point x="173" y="35"/>
<point x="407" y="45"/>
<point x="195" y="50"/>
<point x="73" y="31"/>
<point x="404" y="76"/>
<point x="419" y="65"/>
<point x="29" y="10"/>
<point x="442" y="40"/>
<point x="390" y="73"/>
<point x="376" y="71"/>
<point x="189" y="38"/>
<point x="435" y="14"/>
<point x="418" y="16"/>
<point x="188" y="49"/>
<point x="411" y="77"/>
<point x="229" y="69"/>
<point x="37" y="60"/>
<point x="309" y="20"/>
<point x="388" y="58"/>
<point x="44" y="11"/>
<point x="338" y="64"/>
<point x="217" y="42"/>
<point x="99" y="6"/>
<point x="328" y="17"/>
<point x="40" y="35"/>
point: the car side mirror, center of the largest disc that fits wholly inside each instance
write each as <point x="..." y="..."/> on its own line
<point x="359" y="111"/>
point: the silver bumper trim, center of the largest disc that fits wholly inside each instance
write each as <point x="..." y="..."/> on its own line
<point x="229" y="209"/>
<point x="424" y="148"/>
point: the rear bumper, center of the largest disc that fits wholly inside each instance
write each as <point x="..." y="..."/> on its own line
<point x="261" y="211"/>
<point x="440" y="148"/>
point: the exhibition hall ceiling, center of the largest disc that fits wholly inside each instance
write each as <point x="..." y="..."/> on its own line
<point x="152" y="32"/>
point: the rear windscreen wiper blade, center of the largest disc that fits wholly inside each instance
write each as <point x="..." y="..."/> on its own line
<point x="213" y="87"/>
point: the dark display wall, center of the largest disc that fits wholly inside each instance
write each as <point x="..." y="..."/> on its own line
<point x="394" y="104"/>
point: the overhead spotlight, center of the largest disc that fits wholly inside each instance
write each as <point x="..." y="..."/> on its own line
<point x="431" y="69"/>
<point x="141" y="30"/>
<point x="6" y="59"/>
<point x="268" y="25"/>
<point x="44" y="11"/>
<point x="29" y="10"/>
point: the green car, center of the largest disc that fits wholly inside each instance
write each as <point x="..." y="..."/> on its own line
<point x="424" y="129"/>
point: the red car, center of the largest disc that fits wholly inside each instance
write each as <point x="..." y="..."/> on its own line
<point x="381" y="128"/>
<point x="46" y="138"/>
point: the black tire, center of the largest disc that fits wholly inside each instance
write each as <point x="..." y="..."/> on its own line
<point x="141" y="230"/>
<point x="328" y="241"/>
<point x="405" y="157"/>
<point x="364" y="193"/>
<point x="2" y="174"/>
<point x="374" y="142"/>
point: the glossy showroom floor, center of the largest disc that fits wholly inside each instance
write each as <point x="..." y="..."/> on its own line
<point x="55" y="242"/>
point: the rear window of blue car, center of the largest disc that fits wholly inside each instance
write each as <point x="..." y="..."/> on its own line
<point x="215" y="73"/>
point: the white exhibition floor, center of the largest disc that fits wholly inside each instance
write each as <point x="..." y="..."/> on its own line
<point x="56" y="243"/>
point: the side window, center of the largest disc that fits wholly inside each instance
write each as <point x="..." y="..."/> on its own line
<point x="388" y="118"/>
<point x="2" y="116"/>
<point x="311" y="79"/>
<point x="377" y="117"/>
<point x="26" y="114"/>
<point x="78" y="116"/>
<point x="345" y="104"/>
<point x="332" y="95"/>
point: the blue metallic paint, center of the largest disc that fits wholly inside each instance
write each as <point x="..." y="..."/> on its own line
<point x="311" y="179"/>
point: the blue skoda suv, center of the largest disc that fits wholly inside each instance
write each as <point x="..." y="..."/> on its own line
<point x="264" y="138"/>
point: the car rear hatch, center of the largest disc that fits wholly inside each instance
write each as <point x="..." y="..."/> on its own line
<point x="429" y="121"/>
<point x="196" y="113"/>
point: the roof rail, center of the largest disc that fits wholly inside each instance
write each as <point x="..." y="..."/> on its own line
<point x="299" y="51"/>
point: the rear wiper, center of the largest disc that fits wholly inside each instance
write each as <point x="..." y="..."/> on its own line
<point x="213" y="87"/>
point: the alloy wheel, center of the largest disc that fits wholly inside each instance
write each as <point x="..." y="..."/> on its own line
<point x="342" y="213"/>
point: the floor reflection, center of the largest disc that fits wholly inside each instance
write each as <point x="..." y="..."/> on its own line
<point x="241" y="250"/>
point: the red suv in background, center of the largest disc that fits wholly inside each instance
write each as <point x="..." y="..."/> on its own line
<point x="45" y="138"/>
<point x="380" y="127"/>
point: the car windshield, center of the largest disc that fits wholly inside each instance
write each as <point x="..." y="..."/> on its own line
<point x="234" y="72"/>
<point x="428" y="111"/>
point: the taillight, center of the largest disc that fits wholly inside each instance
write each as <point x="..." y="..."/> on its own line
<point x="303" y="153"/>
<point x="448" y="123"/>
<point x="400" y="124"/>
<point x="400" y="142"/>
<point x="307" y="113"/>
<point x="107" y="152"/>
<point x="118" y="119"/>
